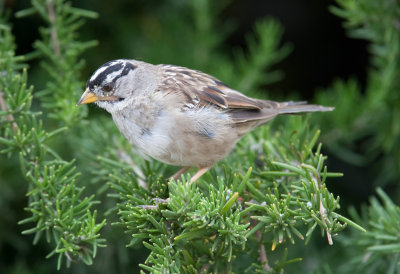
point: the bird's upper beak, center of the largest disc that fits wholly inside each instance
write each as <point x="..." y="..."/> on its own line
<point x="89" y="97"/>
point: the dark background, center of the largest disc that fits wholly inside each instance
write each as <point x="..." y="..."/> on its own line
<point x="322" y="52"/>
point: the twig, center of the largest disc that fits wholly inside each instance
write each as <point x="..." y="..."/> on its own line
<point x="204" y="268"/>
<point x="322" y="213"/>
<point x="9" y="117"/>
<point x="322" y="209"/>
<point x="127" y="159"/>
<point x="263" y="254"/>
<point x="69" y="258"/>
<point x="53" y="31"/>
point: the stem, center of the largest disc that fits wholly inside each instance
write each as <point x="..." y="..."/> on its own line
<point x="53" y="31"/>
<point x="322" y="210"/>
<point x="204" y="268"/>
<point x="263" y="254"/>
<point x="322" y="213"/>
<point x="127" y="159"/>
<point x="9" y="117"/>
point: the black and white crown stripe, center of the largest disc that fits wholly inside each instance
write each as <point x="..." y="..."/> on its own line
<point x="110" y="72"/>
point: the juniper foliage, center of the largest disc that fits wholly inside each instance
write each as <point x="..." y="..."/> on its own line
<point x="250" y="213"/>
<point x="56" y="205"/>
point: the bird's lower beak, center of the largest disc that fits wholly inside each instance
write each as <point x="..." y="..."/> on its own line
<point x="89" y="97"/>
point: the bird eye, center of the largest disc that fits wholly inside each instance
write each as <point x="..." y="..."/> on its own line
<point x="107" y="87"/>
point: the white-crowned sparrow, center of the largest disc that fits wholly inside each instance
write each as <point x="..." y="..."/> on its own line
<point x="177" y="115"/>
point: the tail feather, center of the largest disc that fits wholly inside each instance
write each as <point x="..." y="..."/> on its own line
<point x="296" y="107"/>
<point x="247" y="119"/>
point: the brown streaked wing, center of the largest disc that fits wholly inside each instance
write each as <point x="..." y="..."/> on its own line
<point x="237" y="100"/>
<point x="204" y="89"/>
<point x="252" y="115"/>
<point x="246" y="120"/>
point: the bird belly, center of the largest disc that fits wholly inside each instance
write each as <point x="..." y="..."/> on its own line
<point x="199" y="137"/>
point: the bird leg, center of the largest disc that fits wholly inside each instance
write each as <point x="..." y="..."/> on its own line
<point x="199" y="173"/>
<point x="196" y="176"/>
<point x="177" y="175"/>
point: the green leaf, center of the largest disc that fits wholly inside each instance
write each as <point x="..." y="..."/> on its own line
<point x="229" y="203"/>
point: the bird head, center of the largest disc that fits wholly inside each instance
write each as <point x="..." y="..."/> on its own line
<point x="113" y="82"/>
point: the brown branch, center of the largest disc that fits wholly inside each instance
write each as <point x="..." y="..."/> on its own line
<point x="9" y="117"/>
<point x="53" y="30"/>
<point x="322" y="210"/>
<point x="127" y="159"/>
<point x="263" y="254"/>
<point x="204" y="268"/>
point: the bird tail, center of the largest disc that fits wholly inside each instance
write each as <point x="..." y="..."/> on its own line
<point x="297" y="107"/>
<point x="246" y="119"/>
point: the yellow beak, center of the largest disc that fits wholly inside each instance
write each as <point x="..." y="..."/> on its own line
<point x="89" y="97"/>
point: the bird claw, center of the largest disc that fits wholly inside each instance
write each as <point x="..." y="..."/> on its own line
<point x="157" y="201"/>
<point x="150" y="207"/>
<point x="160" y="201"/>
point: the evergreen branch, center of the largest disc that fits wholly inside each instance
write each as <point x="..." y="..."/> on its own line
<point x="61" y="50"/>
<point x="263" y="254"/>
<point x="9" y="116"/>
<point x="210" y="220"/>
<point x="378" y="246"/>
<point x="53" y="31"/>
<point x="374" y="118"/>
<point x="56" y="205"/>
<point x="272" y="191"/>
<point x="316" y="180"/>
<point x="264" y="52"/>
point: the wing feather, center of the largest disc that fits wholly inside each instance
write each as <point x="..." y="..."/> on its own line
<point x="196" y="88"/>
<point x="199" y="88"/>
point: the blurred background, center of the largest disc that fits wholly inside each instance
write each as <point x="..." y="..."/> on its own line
<point x="160" y="32"/>
<point x="316" y="52"/>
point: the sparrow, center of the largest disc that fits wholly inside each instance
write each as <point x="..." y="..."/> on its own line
<point x="179" y="116"/>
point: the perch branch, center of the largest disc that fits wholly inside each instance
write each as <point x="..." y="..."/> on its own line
<point x="53" y="32"/>
<point x="9" y="117"/>
<point x="322" y="209"/>
<point x="263" y="254"/>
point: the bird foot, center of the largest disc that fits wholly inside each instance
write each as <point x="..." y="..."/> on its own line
<point x="157" y="201"/>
